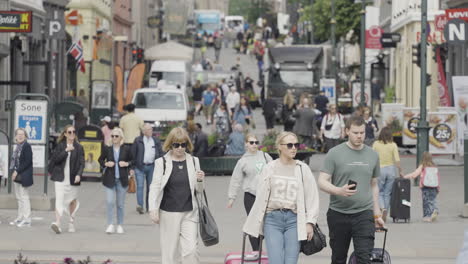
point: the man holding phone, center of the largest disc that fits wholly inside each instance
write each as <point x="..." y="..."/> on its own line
<point x="349" y="175"/>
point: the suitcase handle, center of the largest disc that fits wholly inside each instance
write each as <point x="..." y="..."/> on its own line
<point x="383" y="229"/>
<point x="259" y="258"/>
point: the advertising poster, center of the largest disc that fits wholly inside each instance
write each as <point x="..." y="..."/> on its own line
<point x="410" y="122"/>
<point x="357" y="93"/>
<point x="392" y="116"/>
<point x="38" y="156"/>
<point x="443" y="132"/>
<point x="460" y="95"/>
<point x="329" y="87"/>
<point x="32" y="116"/>
<point x="102" y="92"/>
<point x="92" y="152"/>
<point x="4" y="159"/>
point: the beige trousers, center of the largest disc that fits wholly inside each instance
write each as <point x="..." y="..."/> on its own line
<point x="179" y="237"/>
<point x="24" y="205"/>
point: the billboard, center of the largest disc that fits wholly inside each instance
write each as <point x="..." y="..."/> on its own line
<point x="16" y="21"/>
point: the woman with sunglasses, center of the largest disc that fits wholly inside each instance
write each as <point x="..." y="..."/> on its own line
<point x="66" y="166"/>
<point x="287" y="203"/>
<point x="117" y="161"/>
<point x="172" y="204"/>
<point x="245" y="174"/>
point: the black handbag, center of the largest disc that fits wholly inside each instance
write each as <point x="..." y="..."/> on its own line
<point x="17" y="178"/>
<point x="208" y="227"/>
<point x="316" y="244"/>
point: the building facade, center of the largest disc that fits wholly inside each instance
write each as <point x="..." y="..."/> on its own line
<point x="122" y="34"/>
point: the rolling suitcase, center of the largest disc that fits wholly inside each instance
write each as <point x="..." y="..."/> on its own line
<point x="247" y="257"/>
<point x="400" y="203"/>
<point x="379" y="255"/>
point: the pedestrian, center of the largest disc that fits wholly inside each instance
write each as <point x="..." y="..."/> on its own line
<point x="269" y="112"/>
<point x="208" y="100"/>
<point x="235" y="143"/>
<point x="371" y="126"/>
<point x="173" y="206"/>
<point x="248" y="83"/>
<point x="145" y="150"/>
<point x="232" y="99"/>
<point x="222" y="123"/>
<point x="376" y="90"/>
<point x="197" y="91"/>
<point x="286" y="205"/>
<point x="349" y="174"/>
<point x="66" y="166"/>
<point x="117" y="160"/>
<point x="429" y="194"/>
<point x="246" y="174"/>
<point x="21" y="171"/>
<point x="305" y="123"/>
<point x="224" y="88"/>
<point x="289" y="107"/>
<point x="106" y="128"/>
<point x="200" y="149"/>
<point x="321" y="102"/>
<point x="389" y="163"/>
<point x="332" y="129"/>
<point x="218" y="44"/>
<point x="131" y="125"/>
<point x="243" y="113"/>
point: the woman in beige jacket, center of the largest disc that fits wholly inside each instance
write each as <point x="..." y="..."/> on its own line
<point x="287" y="203"/>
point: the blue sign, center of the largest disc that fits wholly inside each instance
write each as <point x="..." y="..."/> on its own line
<point x="32" y="125"/>
<point x="329" y="91"/>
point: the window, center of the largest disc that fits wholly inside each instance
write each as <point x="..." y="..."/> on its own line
<point x="160" y="100"/>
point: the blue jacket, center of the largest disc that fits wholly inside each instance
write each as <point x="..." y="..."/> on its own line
<point x="138" y="151"/>
<point x="235" y="144"/>
<point x="25" y="168"/>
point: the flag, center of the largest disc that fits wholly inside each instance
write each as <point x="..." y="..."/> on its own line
<point x="76" y="50"/>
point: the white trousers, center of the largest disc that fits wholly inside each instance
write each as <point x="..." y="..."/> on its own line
<point x="179" y="237"/>
<point x="24" y="205"/>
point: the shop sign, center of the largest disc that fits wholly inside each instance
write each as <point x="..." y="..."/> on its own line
<point x="154" y="21"/>
<point x="459" y="13"/>
<point x="440" y="22"/>
<point x="16" y="21"/>
<point x="456" y="31"/>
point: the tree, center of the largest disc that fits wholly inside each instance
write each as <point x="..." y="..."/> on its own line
<point x="347" y="17"/>
<point x="249" y="9"/>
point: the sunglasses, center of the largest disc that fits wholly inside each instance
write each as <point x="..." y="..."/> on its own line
<point x="177" y="145"/>
<point x="115" y="136"/>
<point x="71" y="132"/>
<point x="254" y="142"/>
<point x="291" y="145"/>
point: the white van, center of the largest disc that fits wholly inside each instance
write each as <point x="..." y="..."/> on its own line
<point x="163" y="107"/>
<point x="173" y="72"/>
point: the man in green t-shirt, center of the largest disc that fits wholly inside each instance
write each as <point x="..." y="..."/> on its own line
<point x="354" y="208"/>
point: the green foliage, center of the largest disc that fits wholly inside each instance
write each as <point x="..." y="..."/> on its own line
<point x="389" y="94"/>
<point x="347" y="17"/>
<point x="212" y="139"/>
<point x="249" y="9"/>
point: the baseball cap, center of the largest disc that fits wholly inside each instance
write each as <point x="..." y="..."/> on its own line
<point x="106" y="118"/>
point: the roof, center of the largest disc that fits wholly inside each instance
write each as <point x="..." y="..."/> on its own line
<point x="170" y="50"/>
<point x="295" y="53"/>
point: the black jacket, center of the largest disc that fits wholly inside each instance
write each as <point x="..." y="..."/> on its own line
<point x="59" y="158"/>
<point x="25" y="167"/>
<point x="138" y="151"/>
<point x="200" y="145"/>
<point x="108" y="176"/>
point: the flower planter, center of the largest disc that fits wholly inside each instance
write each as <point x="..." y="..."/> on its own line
<point x="219" y="165"/>
<point x="300" y="155"/>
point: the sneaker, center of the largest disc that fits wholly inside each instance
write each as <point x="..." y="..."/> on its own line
<point x="434" y="215"/>
<point x="71" y="228"/>
<point x="24" y="223"/>
<point x="120" y="229"/>
<point x="140" y="210"/>
<point x="110" y="229"/>
<point x="54" y="226"/>
<point x="15" y="222"/>
<point x="427" y="219"/>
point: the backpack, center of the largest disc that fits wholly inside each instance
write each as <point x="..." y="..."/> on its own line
<point x="430" y="177"/>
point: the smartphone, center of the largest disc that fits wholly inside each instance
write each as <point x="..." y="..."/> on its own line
<point x="352" y="182"/>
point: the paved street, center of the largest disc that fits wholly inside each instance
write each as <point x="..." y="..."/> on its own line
<point x="412" y="243"/>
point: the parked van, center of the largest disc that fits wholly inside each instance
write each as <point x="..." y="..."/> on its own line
<point x="176" y="73"/>
<point x="163" y="107"/>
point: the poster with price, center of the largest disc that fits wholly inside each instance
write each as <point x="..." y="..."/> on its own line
<point x="443" y="132"/>
<point x="410" y="122"/>
<point x="392" y="116"/>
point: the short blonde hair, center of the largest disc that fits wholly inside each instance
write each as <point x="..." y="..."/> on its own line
<point x="250" y="135"/>
<point x="21" y="129"/>
<point x="177" y="135"/>
<point x="119" y="132"/>
<point x="281" y="137"/>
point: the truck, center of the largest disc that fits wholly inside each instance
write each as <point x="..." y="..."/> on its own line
<point x="208" y="21"/>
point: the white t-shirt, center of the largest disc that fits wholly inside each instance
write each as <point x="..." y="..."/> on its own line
<point x="284" y="188"/>
<point x="337" y="125"/>
<point x="232" y="99"/>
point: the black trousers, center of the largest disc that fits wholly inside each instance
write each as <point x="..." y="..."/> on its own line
<point x="270" y="121"/>
<point x="249" y="200"/>
<point x="343" y="227"/>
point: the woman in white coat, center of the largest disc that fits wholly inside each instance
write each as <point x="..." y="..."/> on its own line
<point x="172" y="204"/>
<point x="287" y="203"/>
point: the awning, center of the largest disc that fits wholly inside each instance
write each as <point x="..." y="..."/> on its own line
<point x="169" y="51"/>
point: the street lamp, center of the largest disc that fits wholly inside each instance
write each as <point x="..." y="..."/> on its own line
<point x="363" y="49"/>
<point x="333" y="39"/>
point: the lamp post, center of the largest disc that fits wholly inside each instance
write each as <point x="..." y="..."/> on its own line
<point x="363" y="51"/>
<point x="333" y="39"/>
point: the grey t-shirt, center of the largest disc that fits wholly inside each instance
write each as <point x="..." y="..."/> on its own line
<point x="343" y="164"/>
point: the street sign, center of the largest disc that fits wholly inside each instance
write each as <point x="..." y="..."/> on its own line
<point x="329" y="87"/>
<point x="16" y="21"/>
<point x="32" y="116"/>
<point x="373" y="36"/>
<point x="390" y="40"/>
<point x="456" y="31"/>
<point x="55" y="29"/>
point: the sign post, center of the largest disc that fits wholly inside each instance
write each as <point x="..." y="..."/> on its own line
<point x="33" y="116"/>
<point x="329" y="87"/>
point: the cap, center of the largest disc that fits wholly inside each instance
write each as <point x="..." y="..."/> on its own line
<point x="106" y="118"/>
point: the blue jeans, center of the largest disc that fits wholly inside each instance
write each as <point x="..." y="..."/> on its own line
<point x="141" y="175"/>
<point x="280" y="229"/>
<point x="112" y="194"/>
<point x="385" y="181"/>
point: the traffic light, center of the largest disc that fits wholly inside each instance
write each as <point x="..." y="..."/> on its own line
<point x="140" y="55"/>
<point x="443" y="52"/>
<point x="417" y="54"/>
<point x="134" y="54"/>
<point x="428" y="79"/>
<point x="434" y="52"/>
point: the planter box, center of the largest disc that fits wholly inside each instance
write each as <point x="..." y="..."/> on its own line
<point x="219" y="165"/>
